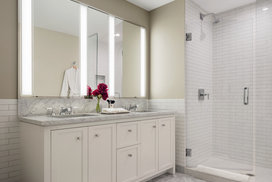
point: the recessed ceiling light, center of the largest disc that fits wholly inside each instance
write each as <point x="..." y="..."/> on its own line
<point x="265" y="9"/>
<point x="117" y="35"/>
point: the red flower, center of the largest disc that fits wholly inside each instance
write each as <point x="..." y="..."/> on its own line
<point x="102" y="87"/>
<point x="101" y="91"/>
<point x="105" y="96"/>
<point x="96" y="92"/>
<point x="89" y="91"/>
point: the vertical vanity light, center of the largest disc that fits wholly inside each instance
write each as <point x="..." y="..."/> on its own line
<point x="26" y="44"/>
<point x="111" y="56"/>
<point x="83" y="50"/>
<point x="143" y="62"/>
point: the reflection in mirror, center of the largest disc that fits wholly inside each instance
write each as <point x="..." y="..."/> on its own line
<point x="56" y="48"/>
<point x="98" y="48"/>
<point x="129" y="60"/>
<point x="75" y="46"/>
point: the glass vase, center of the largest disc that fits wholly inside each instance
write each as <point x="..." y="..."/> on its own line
<point x="98" y="109"/>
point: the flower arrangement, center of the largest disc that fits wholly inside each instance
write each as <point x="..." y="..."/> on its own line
<point x="101" y="93"/>
<point x="89" y="93"/>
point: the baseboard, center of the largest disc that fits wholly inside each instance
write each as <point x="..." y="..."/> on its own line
<point x="180" y="169"/>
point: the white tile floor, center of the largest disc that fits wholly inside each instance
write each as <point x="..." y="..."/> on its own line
<point x="178" y="177"/>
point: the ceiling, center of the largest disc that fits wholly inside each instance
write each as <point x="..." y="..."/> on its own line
<point x="150" y="4"/>
<point x="218" y="6"/>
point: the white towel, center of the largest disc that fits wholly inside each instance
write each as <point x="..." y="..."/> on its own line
<point x="71" y="83"/>
<point x="114" y="111"/>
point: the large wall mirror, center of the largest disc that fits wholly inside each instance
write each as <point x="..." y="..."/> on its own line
<point x="65" y="46"/>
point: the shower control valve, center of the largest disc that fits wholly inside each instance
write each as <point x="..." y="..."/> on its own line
<point x="202" y="94"/>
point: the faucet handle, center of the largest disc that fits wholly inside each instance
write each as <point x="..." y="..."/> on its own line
<point x="49" y="111"/>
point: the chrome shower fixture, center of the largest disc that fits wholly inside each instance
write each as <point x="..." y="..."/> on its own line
<point x="202" y="16"/>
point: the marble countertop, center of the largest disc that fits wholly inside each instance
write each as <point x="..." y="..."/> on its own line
<point x="96" y="119"/>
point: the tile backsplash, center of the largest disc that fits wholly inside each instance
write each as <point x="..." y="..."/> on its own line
<point x="38" y="106"/>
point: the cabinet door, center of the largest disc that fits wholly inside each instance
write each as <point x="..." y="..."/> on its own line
<point x="148" y="149"/>
<point x="127" y="164"/>
<point x="102" y="153"/>
<point x="69" y="155"/>
<point x="165" y="143"/>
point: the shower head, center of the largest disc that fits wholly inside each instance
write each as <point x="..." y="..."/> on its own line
<point x="202" y="16"/>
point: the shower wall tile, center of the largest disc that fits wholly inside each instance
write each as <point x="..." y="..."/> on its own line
<point x="233" y="58"/>
<point x="263" y="86"/>
<point x="177" y="105"/>
<point x="198" y="76"/>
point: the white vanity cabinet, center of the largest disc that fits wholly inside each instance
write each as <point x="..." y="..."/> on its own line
<point x="148" y="147"/>
<point x="115" y="151"/>
<point x="102" y="153"/>
<point x="69" y="154"/>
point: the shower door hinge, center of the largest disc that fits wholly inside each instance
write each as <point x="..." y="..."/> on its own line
<point x="189" y="36"/>
<point x="188" y="152"/>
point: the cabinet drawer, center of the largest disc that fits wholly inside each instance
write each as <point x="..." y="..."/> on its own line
<point x="127" y="134"/>
<point x="127" y="164"/>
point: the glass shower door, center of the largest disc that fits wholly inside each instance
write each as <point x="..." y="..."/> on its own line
<point x="219" y="59"/>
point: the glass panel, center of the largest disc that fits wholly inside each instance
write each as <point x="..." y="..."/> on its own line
<point x="219" y="59"/>
<point x="263" y="96"/>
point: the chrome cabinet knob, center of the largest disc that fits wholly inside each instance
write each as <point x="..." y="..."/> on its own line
<point x="130" y="155"/>
<point x="96" y="135"/>
<point x="77" y="138"/>
<point x="129" y="130"/>
<point x="154" y="126"/>
<point x="163" y="124"/>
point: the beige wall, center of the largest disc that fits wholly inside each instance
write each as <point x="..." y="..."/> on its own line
<point x="167" y="51"/>
<point x="54" y="52"/>
<point x="8" y="49"/>
<point x="131" y="61"/>
<point x="8" y="35"/>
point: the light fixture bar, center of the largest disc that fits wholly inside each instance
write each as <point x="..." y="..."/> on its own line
<point x="143" y="62"/>
<point x="26" y="47"/>
<point x="83" y="50"/>
<point x="111" y="56"/>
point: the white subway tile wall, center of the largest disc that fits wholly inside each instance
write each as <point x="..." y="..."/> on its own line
<point x="198" y="76"/>
<point x="9" y="141"/>
<point x="263" y="80"/>
<point x="233" y="58"/>
<point x="177" y="105"/>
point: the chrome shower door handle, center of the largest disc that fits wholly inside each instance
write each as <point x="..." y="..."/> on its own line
<point x="246" y="95"/>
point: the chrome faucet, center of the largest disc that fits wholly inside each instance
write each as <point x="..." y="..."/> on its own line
<point x="66" y="110"/>
<point x="132" y="107"/>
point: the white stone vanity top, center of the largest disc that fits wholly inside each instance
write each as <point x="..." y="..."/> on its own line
<point x="96" y="120"/>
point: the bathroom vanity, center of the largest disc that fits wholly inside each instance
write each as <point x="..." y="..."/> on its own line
<point x="100" y="148"/>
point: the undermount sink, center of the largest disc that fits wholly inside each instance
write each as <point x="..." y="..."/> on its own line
<point x="75" y="115"/>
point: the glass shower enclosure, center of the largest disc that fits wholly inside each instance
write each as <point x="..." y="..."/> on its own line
<point x="220" y="68"/>
<point x="229" y="90"/>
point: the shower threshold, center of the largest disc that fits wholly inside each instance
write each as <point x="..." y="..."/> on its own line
<point x="223" y="170"/>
